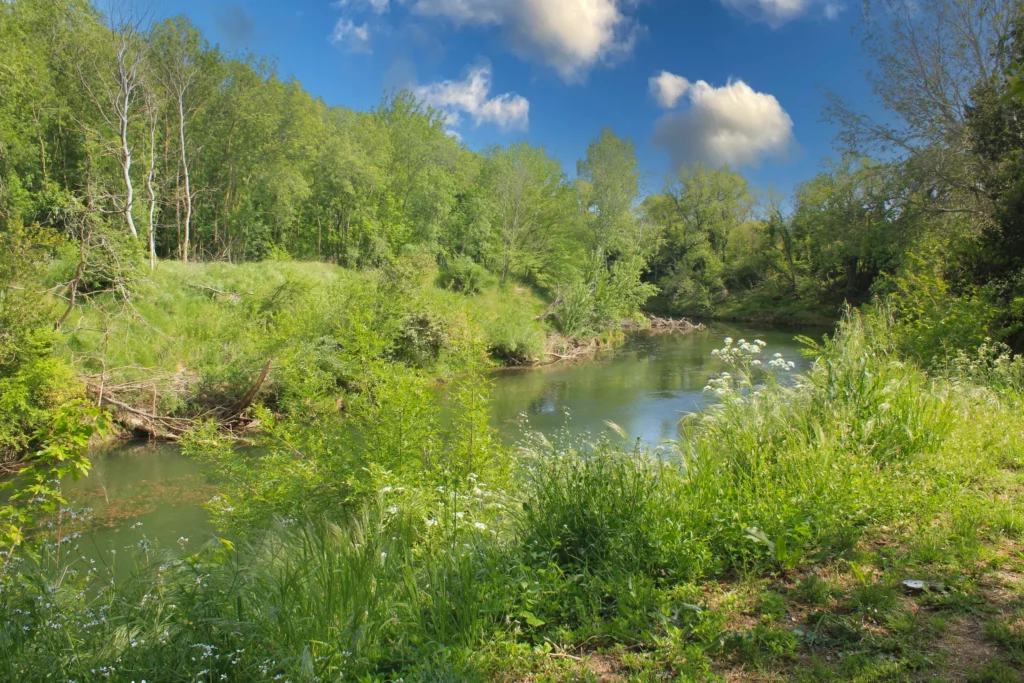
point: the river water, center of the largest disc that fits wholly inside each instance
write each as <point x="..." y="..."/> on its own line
<point x="152" y="491"/>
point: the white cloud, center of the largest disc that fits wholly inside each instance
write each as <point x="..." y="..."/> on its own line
<point x="470" y="96"/>
<point x="667" y="89"/>
<point x="572" y="36"/>
<point x="732" y="124"/>
<point x="351" y="36"/>
<point x="832" y="10"/>
<point x="378" y="6"/>
<point x="775" y="13"/>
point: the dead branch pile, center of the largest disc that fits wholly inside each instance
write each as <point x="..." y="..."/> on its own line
<point x="137" y="399"/>
<point x="680" y="325"/>
<point x="560" y="349"/>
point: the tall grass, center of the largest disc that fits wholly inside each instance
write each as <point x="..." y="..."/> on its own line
<point x="196" y="336"/>
<point x="595" y="543"/>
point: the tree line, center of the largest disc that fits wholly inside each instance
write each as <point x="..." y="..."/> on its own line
<point x="129" y="134"/>
<point x="147" y="134"/>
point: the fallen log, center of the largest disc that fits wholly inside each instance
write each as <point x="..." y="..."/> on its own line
<point x="250" y="395"/>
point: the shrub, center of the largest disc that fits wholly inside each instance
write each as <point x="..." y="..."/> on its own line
<point x="463" y="274"/>
<point x="589" y="508"/>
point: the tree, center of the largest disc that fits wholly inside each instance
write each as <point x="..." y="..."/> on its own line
<point x="856" y="221"/>
<point x="610" y="186"/>
<point x="425" y="173"/>
<point x="930" y="55"/>
<point x="111" y="75"/>
<point x="151" y="108"/>
<point x="779" y="233"/>
<point x="699" y="211"/>
<point x="177" y="50"/>
<point x="528" y="201"/>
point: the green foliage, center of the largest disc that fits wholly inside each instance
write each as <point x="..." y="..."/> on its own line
<point x="407" y="545"/>
<point x="933" y="322"/>
<point x="399" y="428"/>
<point x="700" y="215"/>
<point x="589" y="509"/>
<point x="603" y="297"/>
<point x="45" y="421"/>
<point x="463" y="275"/>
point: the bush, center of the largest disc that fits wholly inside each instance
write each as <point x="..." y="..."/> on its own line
<point x="589" y="508"/>
<point x="34" y="383"/>
<point x="462" y="274"/>
<point x="929" y="320"/>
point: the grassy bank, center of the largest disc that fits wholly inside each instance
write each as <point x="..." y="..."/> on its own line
<point x="194" y="339"/>
<point x="758" y="307"/>
<point x="771" y="544"/>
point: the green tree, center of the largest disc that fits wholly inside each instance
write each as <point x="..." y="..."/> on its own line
<point x="609" y="187"/>
<point x="528" y="203"/>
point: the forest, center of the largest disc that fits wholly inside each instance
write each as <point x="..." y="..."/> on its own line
<point x="312" y="301"/>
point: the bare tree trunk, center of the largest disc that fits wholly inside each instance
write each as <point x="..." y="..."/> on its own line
<point x="152" y="191"/>
<point x="184" y="169"/>
<point x="111" y="85"/>
<point x="126" y="151"/>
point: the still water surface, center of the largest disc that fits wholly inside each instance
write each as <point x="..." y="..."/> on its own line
<point x="644" y="386"/>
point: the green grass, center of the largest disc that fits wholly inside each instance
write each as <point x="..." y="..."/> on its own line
<point x="196" y="336"/>
<point x="772" y="546"/>
<point x="766" y="308"/>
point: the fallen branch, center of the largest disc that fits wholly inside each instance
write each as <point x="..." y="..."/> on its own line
<point x="250" y="395"/>
<point x="123" y="399"/>
<point x="141" y="421"/>
<point x="681" y="325"/>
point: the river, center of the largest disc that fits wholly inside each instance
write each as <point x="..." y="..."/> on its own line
<point x="152" y="491"/>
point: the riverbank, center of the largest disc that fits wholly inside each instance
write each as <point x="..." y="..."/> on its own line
<point x="645" y="385"/>
<point x="202" y="342"/>
<point x="765" y="309"/>
<point x="863" y="524"/>
<point x="208" y="341"/>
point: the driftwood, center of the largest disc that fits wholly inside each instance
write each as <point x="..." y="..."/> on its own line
<point x="560" y="350"/>
<point x="124" y="401"/>
<point x="159" y="427"/>
<point x="250" y="395"/>
<point x="681" y="325"/>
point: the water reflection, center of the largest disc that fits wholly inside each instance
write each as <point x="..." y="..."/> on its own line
<point x="645" y="387"/>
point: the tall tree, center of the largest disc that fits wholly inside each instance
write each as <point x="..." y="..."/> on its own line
<point x="610" y="186"/>
<point x="178" y="49"/>
<point x="529" y="200"/>
<point x="929" y="56"/>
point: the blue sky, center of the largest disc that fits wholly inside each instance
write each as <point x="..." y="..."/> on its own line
<point x="746" y="78"/>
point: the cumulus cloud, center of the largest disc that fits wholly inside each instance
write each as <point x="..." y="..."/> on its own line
<point x="351" y="37"/>
<point x="775" y="13"/>
<point x="667" y="89"/>
<point x="471" y="96"/>
<point x="732" y="124"/>
<point x="571" y="36"/>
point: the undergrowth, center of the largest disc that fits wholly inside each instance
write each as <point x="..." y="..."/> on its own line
<point x="770" y="543"/>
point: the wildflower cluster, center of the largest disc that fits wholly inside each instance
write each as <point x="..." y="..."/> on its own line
<point x="741" y="352"/>
<point x="468" y="507"/>
<point x="993" y="364"/>
<point x="745" y="357"/>
<point x="781" y="363"/>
